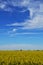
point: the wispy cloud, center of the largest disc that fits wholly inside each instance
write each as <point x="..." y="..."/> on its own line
<point x="2" y="5"/>
<point x="13" y="34"/>
<point x="13" y="31"/>
<point x="35" y="23"/>
<point x="5" y="6"/>
<point x="36" y="14"/>
<point x="28" y="4"/>
<point x="35" y="9"/>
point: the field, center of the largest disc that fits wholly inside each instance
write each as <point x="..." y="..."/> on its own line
<point x="21" y="57"/>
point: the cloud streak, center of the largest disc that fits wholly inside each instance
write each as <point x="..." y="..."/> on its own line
<point x="36" y="14"/>
<point x="35" y="23"/>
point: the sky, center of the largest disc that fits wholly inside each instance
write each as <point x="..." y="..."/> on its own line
<point x="21" y="24"/>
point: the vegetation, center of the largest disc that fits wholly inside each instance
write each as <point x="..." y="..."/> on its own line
<point x="21" y="57"/>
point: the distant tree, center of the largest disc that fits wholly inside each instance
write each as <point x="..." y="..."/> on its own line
<point x="20" y="49"/>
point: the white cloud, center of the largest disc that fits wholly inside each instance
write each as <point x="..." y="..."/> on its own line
<point x="36" y="14"/>
<point x="2" y="5"/>
<point x="16" y="24"/>
<point x="14" y="30"/>
<point x="18" y="3"/>
<point x="29" y="4"/>
<point x="41" y="7"/>
<point x="36" y="22"/>
<point x="25" y="33"/>
<point x="13" y="34"/>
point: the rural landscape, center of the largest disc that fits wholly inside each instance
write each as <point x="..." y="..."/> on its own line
<point x="21" y="57"/>
<point x="21" y="32"/>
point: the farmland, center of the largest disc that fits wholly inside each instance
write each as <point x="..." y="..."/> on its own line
<point x="21" y="57"/>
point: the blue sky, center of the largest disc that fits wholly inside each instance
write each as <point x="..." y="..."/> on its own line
<point x="21" y="24"/>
